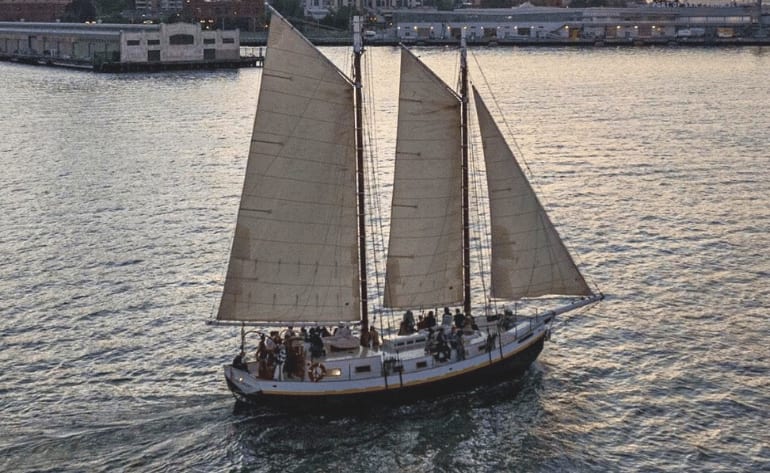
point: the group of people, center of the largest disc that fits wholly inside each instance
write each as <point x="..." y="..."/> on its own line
<point x="443" y="337"/>
<point x="440" y="344"/>
<point x="458" y="321"/>
<point x="278" y="356"/>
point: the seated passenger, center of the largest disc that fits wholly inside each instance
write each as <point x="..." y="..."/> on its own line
<point x="238" y="361"/>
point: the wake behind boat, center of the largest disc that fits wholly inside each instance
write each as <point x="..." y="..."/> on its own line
<point x="298" y="263"/>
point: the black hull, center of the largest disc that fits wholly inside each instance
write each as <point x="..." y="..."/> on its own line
<point x="499" y="371"/>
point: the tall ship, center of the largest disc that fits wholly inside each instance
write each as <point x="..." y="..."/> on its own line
<point x="297" y="283"/>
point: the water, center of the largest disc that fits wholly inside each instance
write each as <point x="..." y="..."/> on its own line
<point x="119" y="195"/>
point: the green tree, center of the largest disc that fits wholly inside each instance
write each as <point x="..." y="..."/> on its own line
<point x="79" y="11"/>
<point x="340" y="19"/>
<point x="289" y="8"/>
<point x="111" y="7"/>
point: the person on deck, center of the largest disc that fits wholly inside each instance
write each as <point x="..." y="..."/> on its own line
<point x="443" y="352"/>
<point x="238" y="362"/>
<point x="459" y="345"/>
<point x="280" y="359"/>
<point x="409" y="319"/>
<point x="459" y="319"/>
<point x="374" y="338"/>
<point x="469" y="325"/>
<point x="430" y="319"/>
<point x="446" y="317"/>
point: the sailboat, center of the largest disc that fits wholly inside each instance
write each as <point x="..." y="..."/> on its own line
<point x="298" y="263"/>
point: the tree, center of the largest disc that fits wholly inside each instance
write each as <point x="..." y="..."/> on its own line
<point x="289" y="8"/>
<point x="79" y="11"/>
<point x="340" y="19"/>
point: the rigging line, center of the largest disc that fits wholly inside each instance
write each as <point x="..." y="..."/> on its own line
<point x="519" y="156"/>
<point x="375" y="215"/>
<point x="581" y="312"/>
<point x="483" y="224"/>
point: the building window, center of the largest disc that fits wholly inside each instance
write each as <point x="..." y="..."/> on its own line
<point x="132" y="42"/>
<point x="209" y="40"/>
<point x="228" y="40"/>
<point x="153" y="42"/>
<point x="179" y="39"/>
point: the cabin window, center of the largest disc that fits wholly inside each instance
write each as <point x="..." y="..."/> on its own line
<point x="334" y="372"/>
<point x="422" y="364"/>
<point x="363" y="369"/>
<point x="132" y="42"/>
<point x="180" y="39"/>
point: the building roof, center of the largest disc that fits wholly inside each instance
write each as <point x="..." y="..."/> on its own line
<point x="91" y="30"/>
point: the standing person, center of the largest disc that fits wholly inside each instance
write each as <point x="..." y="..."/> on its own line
<point x="446" y="318"/>
<point x="430" y="320"/>
<point x="374" y="338"/>
<point x="280" y="359"/>
<point x="409" y="321"/>
<point x="365" y="338"/>
<point x="262" y="357"/>
<point x="459" y="319"/>
<point x="459" y="345"/>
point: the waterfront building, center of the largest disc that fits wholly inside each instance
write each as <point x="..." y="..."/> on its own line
<point x="158" y="5"/>
<point x="117" y="45"/>
<point x="529" y="23"/>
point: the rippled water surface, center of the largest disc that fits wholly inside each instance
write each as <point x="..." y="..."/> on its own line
<point x="119" y="195"/>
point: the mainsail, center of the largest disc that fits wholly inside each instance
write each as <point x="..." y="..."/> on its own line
<point x="529" y="258"/>
<point x="294" y="256"/>
<point x="424" y="266"/>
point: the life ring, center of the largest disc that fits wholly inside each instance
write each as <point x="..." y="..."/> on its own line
<point x="316" y="372"/>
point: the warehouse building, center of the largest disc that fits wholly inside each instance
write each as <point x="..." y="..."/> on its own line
<point x="118" y="46"/>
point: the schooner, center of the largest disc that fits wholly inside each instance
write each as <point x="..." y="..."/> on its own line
<point x="298" y="257"/>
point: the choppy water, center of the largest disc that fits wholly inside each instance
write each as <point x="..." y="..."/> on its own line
<point x="119" y="195"/>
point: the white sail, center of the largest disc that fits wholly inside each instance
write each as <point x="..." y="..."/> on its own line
<point x="529" y="258"/>
<point x="424" y="266"/>
<point x="294" y="256"/>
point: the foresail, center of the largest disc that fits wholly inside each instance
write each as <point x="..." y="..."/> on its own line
<point x="424" y="266"/>
<point x="529" y="258"/>
<point x="294" y="255"/>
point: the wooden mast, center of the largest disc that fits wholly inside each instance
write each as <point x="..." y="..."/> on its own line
<point x="358" y="51"/>
<point x="464" y="148"/>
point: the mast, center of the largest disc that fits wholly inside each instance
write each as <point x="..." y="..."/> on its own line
<point x="358" y="51"/>
<point x="464" y="148"/>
